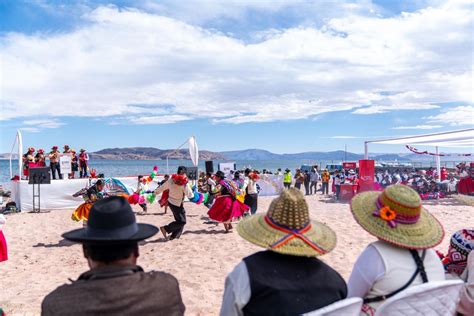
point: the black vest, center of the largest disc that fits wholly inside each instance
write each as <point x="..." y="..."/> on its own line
<point x="290" y="285"/>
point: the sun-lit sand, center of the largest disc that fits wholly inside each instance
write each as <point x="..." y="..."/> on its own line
<point x="40" y="260"/>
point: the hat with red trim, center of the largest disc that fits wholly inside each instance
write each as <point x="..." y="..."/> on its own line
<point x="287" y="228"/>
<point x="397" y="217"/>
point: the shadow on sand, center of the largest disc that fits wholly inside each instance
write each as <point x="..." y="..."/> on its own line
<point x="61" y="243"/>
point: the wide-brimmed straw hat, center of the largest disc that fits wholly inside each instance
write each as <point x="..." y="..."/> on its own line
<point x="397" y="217"/>
<point x="111" y="220"/>
<point x="287" y="228"/>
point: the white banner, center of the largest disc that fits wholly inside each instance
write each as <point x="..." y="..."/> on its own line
<point x="227" y="167"/>
<point x="65" y="164"/>
<point x="269" y="185"/>
<point x="193" y="151"/>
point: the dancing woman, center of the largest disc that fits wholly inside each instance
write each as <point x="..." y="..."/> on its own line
<point x="226" y="207"/>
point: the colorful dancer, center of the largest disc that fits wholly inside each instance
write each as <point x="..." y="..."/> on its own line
<point x="90" y="195"/>
<point x="179" y="188"/>
<point x="3" y="242"/>
<point x="226" y="206"/>
<point x="142" y="194"/>
<point x="164" y="197"/>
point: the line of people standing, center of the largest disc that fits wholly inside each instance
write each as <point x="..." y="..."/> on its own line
<point x="78" y="162"/>
<point x="308" y="179"/>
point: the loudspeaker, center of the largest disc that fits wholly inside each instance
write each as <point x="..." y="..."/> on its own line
<point x="39" y="175"/>
<point x="191" y="172"/>
<point x="209" y="166"/>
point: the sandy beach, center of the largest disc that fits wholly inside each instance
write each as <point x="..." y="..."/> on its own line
<point x="40" y="260"/>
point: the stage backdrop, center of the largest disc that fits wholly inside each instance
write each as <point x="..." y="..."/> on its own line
<point x="366" y="175"/>
<point x="58" y="194"/>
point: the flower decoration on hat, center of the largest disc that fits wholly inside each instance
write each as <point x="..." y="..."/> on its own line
<point x="388" y="215"/>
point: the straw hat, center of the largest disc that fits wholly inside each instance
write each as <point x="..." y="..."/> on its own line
<point x="287" y="228"/>
<point x="397" y="217"/>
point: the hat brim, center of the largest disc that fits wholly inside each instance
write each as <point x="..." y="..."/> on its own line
<point x="256" y="230"/>
<point x="426" y="233"/>
<point x="79" y="235"/>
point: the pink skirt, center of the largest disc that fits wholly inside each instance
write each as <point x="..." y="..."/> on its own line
<point x="225" y="209"/>
<point x="3" y="248"/>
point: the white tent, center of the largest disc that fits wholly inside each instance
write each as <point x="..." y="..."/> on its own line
<point x="461" y="139"/>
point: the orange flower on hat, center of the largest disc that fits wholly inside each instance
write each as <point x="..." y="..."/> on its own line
<point x="387" y="214"/>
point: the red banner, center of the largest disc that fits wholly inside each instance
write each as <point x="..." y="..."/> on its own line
<point x="349" y="165"/>
<point x="366" y="175"/>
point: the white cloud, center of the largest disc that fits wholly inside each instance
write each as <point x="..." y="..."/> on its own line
<point x="30" y="129"/>
<point x="43" y="123"/>
<point x="165" y="119"/>
<point x="418" y="127"/>
<point x="457" y="116"/>
<point x="343" y="137"/>
<point x="123" y="62"/>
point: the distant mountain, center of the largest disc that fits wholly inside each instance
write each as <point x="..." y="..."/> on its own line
<point x="250" y="154"/>
<point x="150" y="153"/>
<point x="259" y="154"/>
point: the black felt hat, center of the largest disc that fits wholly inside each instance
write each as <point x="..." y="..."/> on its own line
<point x="111" y="220"/>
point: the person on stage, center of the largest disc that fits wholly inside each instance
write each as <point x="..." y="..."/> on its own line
<point x="40" y="159"/>
<point x="54" y="162"/>
<point x="251" y="193"/>
<point x="27" y="158"/>
<point x="83" y="163"/>
<point x="179" y="188"/>
<point x="226" y="206"/>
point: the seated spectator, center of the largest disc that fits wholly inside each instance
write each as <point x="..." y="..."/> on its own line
<point x="114" y="285"/>
<point x="459" y="264"/>
<point x="403" y="255"/>
<point x="286" y="279"/>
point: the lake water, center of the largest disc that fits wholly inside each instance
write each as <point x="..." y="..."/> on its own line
<point x="116" y="168"/>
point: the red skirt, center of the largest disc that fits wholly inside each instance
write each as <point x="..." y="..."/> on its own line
<point x="164" y="198"/>
<point x="3" y="248"/>
<point x="226" y="209"/>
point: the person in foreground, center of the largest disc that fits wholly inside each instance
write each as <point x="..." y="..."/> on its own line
<point x="287" y="279"/>
<point x="403" y="255"/>
<point x="459" y="264"/>
<point x="115" y="284"/>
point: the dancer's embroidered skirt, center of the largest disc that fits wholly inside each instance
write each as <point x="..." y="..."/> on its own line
<point x="226" y="209"/>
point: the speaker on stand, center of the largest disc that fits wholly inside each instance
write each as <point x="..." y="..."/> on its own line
<point x="209" y="166"/>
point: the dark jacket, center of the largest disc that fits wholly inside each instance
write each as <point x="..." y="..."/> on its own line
<point x="117" y="291"/>
<point x="290" y="285"/>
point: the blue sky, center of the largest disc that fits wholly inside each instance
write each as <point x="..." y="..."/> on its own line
<point x="286" y="76"/>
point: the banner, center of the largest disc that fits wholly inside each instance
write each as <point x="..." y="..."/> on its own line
<point x="416" y="151"/>
<point x="366" y="175"/>
<point x="269" y="185"/>
<point x="349" y="165"/>
<point x="65" y="164"/>
<point x="227" y="167"/>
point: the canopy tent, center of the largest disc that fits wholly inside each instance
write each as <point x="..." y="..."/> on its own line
<point x="193" y="152"/>
<point x="460" y="139"/>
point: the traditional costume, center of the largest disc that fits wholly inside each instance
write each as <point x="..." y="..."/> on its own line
<point x="3" y="242"/>
<point x="226" y="206"/>
<point x="179" y="188"/>
<point x="91" y="196"/>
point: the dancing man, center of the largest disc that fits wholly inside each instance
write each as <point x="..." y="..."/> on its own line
<point x="178" y="187"/>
